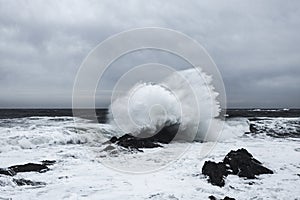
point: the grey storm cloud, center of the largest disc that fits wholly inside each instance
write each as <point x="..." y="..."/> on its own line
<point x="255" y="44"/>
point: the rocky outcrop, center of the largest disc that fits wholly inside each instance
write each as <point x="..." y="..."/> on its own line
<point x="132" y="142"/>
<point x="239" y="162"/>
<point x="29" y="167"/>
<point x="7" y="171"/>
<point x="243" y="164"/>
<point x="164" y="136"/>
<point x="216" y="172"/>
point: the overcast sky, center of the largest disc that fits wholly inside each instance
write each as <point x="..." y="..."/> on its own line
<point x="255" y="44"/>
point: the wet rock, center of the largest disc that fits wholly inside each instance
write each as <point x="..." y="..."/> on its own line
<point x="6" y="171"/>
<point x="228" y="198"/>
<point x="239" y="162"/>
<point x="48" y="162"/>
<point x="211" y="197"/>
<point x="109" y="148"/>
<point x="253" y="128"/>
<point x="22" y="182"/>
<point x="243" y="164"/>
<point x="129" y="141"/>
<point x="164" y="136"/>
<point x="216" y="172"/>
<point x="29" y="167"/>
<point x="113" y="139"/>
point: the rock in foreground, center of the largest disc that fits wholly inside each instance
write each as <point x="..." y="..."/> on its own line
<point x="243" y="164"/>
<point x="28" y="167"/>
<point x="239" y="162"/>
<point x="225" y="198"/>
<point x="216" y="172"/>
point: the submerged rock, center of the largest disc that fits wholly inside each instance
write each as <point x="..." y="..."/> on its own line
<point x="22" y="182"/>
<point x="48" y="162"/>
<point x="239" y="162"/>
<point x="109" y="148"/>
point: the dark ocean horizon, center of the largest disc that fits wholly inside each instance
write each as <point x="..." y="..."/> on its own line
<point x="8" y="113"/>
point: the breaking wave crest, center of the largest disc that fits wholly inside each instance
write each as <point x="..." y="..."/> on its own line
<point x="185" y="97"/>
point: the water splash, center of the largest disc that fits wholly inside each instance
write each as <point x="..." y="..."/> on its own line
<point x="185" y="97"/>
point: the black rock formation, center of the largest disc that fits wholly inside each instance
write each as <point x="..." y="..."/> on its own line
<point x="211" y="197"/>
<point x="164" y="136"/>
<point x="8" y="172"/>
<point x="216" y="172"/>
<point x="239" y="162"/>
<point x="129" y="141"/>
<point x="243" y="164"/>
<point x="228" y="198"/>
<point x="29" y="167"/>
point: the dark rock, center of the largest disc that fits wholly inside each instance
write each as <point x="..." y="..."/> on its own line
<point x="253" y="128"/>
<point x="211" y="197"/>
<point x="251" y="183"/>
<point x="239" y="162"/>
<point x="114" y="139"/>
<point x="216" y="172"/>
<point x="164" y="136"/>
<point x="243" y="164"/>
<point x="22" y="182"/>
<point x="48" y="162"/>
<point x="129" y="141"/>
<point x="228" y="198"/>
<point x="29" y="167"/>
<point x="8" y="172"/>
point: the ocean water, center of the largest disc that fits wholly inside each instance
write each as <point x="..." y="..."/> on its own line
<point x="81" y="171"/>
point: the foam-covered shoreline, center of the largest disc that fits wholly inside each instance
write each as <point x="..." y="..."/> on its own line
<point x="80" y="173"/>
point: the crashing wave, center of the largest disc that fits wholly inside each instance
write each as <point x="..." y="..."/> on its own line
<point x="186" y="97"/>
